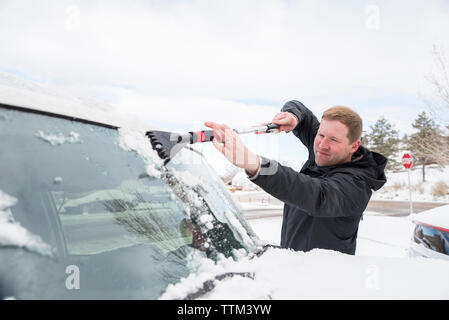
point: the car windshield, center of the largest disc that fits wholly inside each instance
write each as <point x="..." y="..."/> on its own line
<point x="99" y="220"/>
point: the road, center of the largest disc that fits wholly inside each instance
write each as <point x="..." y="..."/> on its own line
<point x="271" y="207"/>
<point x="400" y="208"/>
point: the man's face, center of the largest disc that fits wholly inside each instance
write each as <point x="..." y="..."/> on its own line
<point x="331" y="145"/>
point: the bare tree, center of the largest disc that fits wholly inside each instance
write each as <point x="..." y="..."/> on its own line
<point x="439" y="80"/>
<point x="436" y="146"/>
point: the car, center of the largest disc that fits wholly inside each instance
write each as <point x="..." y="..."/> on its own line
<point x="88" y="210"/>
<point x="431" y="234"/>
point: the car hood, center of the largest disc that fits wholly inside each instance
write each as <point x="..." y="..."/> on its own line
<point x="318" y="274"/>
<point x="436" y="217"/>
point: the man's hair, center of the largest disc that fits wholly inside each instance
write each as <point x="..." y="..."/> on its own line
<point x="349" y="118"/>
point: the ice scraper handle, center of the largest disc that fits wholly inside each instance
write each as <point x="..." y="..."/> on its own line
<point x="201" y="136"/>
<point x="260" y="129"/>
<point x="208" y="135"/>
<point x="272" y="127"/>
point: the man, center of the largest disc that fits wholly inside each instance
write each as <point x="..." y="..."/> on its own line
<point x="324" y="202"/>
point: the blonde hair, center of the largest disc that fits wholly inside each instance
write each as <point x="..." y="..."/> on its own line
<point x="349" y="118"/>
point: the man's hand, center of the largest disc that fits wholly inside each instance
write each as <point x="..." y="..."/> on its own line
<point x="228" y="142"/>
<point x="286" y="120"/>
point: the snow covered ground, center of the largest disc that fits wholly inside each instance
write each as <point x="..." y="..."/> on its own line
<point x="379" y="236"/>
<point x="396" y="187"/>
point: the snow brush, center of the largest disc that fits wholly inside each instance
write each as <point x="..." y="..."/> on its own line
<point x="167" y="144"/>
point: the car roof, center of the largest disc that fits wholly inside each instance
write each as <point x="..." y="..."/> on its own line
<point x="28" y="95"/>
<point x="436" y="217"/>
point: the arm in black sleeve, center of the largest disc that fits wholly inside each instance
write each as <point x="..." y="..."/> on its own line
<point x="341" y="194"/>
<point x="308" y="124"/>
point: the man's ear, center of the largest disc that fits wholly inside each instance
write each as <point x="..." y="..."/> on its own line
<point x="355" y="145"/>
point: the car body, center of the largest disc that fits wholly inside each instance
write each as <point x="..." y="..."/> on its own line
<point x="88" y="211"/>
<point x="431" y="234"/>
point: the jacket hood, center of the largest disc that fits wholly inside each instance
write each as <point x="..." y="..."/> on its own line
<point x="374" y="164"/>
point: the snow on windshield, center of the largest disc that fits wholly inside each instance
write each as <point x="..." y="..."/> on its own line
<point x="59" y="138"/>
<point x="134" y="140"/>
<point x="188" y="178"/>
<point x="13" y="234"/>
<point x="183" y="183"/>
<point x="240" y="229"/>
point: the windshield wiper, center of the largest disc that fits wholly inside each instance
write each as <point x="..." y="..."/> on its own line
<point x="209" y="285"/>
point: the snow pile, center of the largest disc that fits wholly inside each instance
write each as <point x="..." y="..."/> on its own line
<point x="59" y="139"/>
<point x="13" y="234"/>
<point x="318" y="274"/>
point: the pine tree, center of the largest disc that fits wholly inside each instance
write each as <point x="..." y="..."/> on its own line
<point x="384" y="139"/>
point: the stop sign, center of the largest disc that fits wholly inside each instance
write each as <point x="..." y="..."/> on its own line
<point x="407" y="161"/>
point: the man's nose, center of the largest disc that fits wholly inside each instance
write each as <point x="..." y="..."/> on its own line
<point x="324" y="143"/>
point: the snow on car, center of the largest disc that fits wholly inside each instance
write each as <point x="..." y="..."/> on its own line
<point x="318" y="274"/>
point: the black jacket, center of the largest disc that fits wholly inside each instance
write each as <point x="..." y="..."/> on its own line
<point x="323" y="205"/>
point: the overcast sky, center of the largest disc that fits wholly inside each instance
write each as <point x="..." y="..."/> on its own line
<point x="180" y="63"/>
